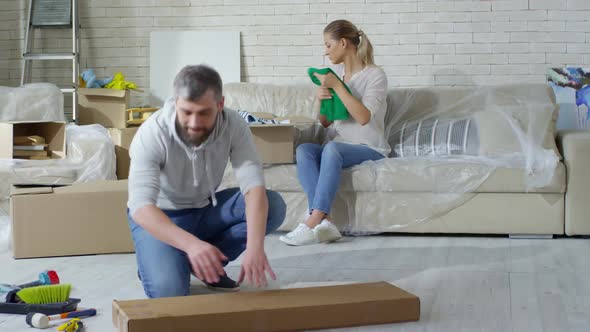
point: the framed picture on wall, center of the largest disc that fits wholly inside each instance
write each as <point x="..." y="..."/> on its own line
<point x="572" y="91"/>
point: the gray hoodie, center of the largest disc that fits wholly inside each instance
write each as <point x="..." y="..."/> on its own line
<point x="172" y="175"/>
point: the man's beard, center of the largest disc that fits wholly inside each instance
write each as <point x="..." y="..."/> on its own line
<point x="194" y="139"/>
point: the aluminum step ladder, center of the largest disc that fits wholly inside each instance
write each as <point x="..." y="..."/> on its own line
<point x="53" y="14"/>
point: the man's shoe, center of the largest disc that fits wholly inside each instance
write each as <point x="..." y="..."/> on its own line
<point x="225" y="284"/>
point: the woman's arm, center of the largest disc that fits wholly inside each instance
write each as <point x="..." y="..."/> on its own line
<point x="323" y="93"/>
<point x="357" y="110"/>
<point x="355" y="107"/>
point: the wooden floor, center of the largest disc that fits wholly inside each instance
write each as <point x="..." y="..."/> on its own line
<point x="464" y="283"/>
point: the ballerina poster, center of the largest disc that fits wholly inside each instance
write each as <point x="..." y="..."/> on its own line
<point x="572" y="91"/>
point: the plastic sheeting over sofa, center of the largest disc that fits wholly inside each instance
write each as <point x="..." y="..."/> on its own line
<point x="446" y="143"/>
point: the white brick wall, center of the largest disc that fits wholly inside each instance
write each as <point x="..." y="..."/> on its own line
<point x="418" y="42"/>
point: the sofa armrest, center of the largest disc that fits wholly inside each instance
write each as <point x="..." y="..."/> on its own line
<point x="575" y="148"/>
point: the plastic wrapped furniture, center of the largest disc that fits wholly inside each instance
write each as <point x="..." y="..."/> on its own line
<point x="464" y="160"/>
<point x="32" y="102"/>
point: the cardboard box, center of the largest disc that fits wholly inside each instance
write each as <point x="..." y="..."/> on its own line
<point x="273" y="310"/>
<point x="122" y="139"/>
<point x="54" y="134"/>
<point x="274" y="143"/>
<point x="107" y="107"/>
<point x="80" y="219"/>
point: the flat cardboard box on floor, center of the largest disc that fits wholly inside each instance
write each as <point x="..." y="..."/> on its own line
<point x="79" y="219"/>
<point x="54" y="134"/>
<point x="107" y="107"/>
<point x="122" y="140"/>
<point x="273" y="310"/>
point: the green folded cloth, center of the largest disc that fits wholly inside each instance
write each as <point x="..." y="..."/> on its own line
<point x="333" y="108"/>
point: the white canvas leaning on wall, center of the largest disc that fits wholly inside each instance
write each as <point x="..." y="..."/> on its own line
<point x="172" y="50"/>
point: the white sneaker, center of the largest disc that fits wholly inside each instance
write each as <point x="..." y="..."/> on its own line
<point x="300" y="236"/>
<point x="327" y="232"/>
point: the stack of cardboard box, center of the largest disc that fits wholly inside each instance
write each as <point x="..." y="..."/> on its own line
<point x="108" y="107"/>
<point x="90" y="216"/>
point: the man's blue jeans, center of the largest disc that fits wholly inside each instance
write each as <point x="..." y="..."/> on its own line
<point x="165" y="271"/>
<point x="319" y="168"/>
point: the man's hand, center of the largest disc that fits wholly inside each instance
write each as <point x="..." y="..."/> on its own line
<point x="328" y="81"/>
<point x="206" y="261"/>
<point x="254" y="268"/>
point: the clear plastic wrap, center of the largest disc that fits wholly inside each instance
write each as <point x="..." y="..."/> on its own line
<point x="32" y="102"/>
<point x="92" y="152"/>
<point x="447" y="144"/>
<point x="501" y="126"/>
<point x="461" y="136"/>
<point x="90" y="157"/>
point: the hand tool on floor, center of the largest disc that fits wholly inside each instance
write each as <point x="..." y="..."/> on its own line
<point x="8" y="292"/>
<point x="73" y="325"/>
<point x="41" y="321"/>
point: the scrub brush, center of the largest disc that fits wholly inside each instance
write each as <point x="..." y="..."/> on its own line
<point x="45" y="294"/>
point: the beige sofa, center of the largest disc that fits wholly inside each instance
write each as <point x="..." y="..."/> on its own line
<point x="417" y="195"/>
<point x="575" y="148"/>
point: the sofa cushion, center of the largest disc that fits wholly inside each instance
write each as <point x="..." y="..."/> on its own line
<point x="484" y="213"/>
<point x="436" y="136"/>
<point x="415" y="175"/>
<point x="424" y="175"/>
<point x="487" y="133"/>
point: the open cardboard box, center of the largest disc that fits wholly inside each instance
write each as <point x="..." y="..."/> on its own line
<point x="54" y="134"/>
<point x="107" y="107"/>
<point x="275" y="143"/>
<point x="79" y="219"/>
<point x="273" y="310"/>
